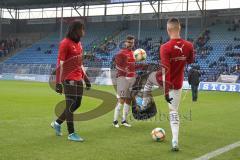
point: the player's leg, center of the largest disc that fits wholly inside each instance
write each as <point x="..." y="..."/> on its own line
<point x="73" y="96"/>
<point x="121" y="99"/>
<point x="174" y="116"/>
<point x="57" y="123"/>
<point x="73" y="102"/>
<point x="117" y="111"/>
<point x="194" y="92"/>
<point x="195" y="95"/>
<point x="151" y="81"/>
<point x="57" y="127"/>
<point x="126" y="108"/>
<point x="192" y="89"/>
<point x="197" y="92"/>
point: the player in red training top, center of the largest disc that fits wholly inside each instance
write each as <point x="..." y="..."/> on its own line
<point x="126" y="77"/>
<point x="70" y="75"/>
<point x="174" y="54"/>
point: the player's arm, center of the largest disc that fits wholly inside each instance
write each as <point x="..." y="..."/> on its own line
<point x="166" y="67"/>
<point x="59" y="73"/>
<point x="85" y="78"/>
<point x="191" y="57"/>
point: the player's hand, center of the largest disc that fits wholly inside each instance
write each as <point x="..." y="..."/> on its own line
<point x="88" y="84"/>
<point x="168" y="99"/>
<point x="59" y="88"/>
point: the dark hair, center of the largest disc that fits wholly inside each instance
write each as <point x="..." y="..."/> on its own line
<point x="173" y="20"/>
<point x="130" y="37"/>
<point x="73" y="29"/>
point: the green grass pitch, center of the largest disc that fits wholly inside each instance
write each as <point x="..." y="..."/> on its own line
<point x="27" y="109"/>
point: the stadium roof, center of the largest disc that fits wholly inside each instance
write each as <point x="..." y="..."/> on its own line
<point x="25" y="4"/>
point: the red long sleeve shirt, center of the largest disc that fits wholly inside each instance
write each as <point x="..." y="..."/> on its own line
<point x="126" y="64"/>
<point x="71" y="53"/>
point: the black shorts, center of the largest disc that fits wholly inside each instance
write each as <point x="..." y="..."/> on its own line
<point x="73" y="88"/>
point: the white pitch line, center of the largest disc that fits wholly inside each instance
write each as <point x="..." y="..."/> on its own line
<point x="218" y="151"/>
<point x="184" y="97"/>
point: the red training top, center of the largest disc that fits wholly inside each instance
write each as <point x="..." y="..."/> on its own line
<point x="175" y="54"/>
<point x="125" y="63"/>
<point x="71" y="53"/>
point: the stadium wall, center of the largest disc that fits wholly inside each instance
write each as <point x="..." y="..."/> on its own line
<point x="107" y="80"/>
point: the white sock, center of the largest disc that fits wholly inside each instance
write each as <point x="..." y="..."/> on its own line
<point x="126" y="108"/>
<point x="174" y="123"/>
<point x="117" y="111"/>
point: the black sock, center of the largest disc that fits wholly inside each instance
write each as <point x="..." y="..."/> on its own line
<point x="70" y="127"/>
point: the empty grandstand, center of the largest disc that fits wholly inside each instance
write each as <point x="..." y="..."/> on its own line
<point x="115" y="96"/>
